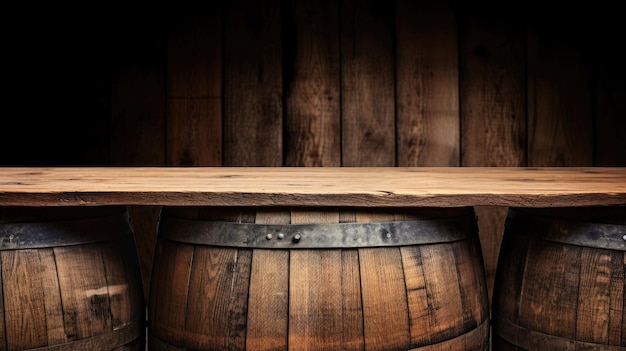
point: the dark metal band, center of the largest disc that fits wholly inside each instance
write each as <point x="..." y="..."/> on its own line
<point x="536" y="341"/>
<point x="16" y="236"/>
<point x="107" y="341"/>
<point x="308" y="236"/>
<point x="596" y="235"/>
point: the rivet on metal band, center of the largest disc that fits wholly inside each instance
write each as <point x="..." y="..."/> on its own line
<point x="338" y="235"/>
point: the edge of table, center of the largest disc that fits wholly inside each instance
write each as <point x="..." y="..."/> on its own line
<point x="313" y="186"/>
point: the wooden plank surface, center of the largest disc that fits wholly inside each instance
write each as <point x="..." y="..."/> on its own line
<point x="313" y="186"/>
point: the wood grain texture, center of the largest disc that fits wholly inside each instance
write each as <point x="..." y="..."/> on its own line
<point x="311" y="83"/>
<point x="168" y="309"/>
<point x="268" y="301"/>
<point x="617" y="320"/>
<point x="194" y="132"/>
<point x="427" y="74"/>
<point x="493" y="105"/>
<point x="207" y="321"/>
<point x="385" y="310"/>
<point x="367" y="84"/>
<point x="492" y="88"/>
<point x="560" y="127"/>
<point x="52" y="298"/>
<point x="318" y="294"/>
<point x="26" y="324"/>
<point x="595" y="280"/>
<point x="194" y="91"/>
<point x="551" y="295"/>
<point x="314" y="186"/>
<point x="253" y="116"/>
<point x="551" y="289"/>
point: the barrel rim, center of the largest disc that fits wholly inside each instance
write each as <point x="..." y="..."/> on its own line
<point x="111" y="340"/>
<point x="529" y="339"/>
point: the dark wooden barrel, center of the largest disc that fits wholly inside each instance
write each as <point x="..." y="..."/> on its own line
<point x="70" y="280"/>
<point x="318" y="279"/>
<point x="560" y="280"/>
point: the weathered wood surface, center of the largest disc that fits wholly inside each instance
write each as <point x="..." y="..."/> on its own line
<point x="315" y="186"/>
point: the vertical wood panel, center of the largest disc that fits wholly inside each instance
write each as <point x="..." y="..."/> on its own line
<point x="427" y="96"/>
<point x="367" y="86"/>
<point x="268" y="303"/>
<point x="194" y="132"/>
<point x="312" y="96"/>
<point x="512" y="260"/>
<point x="315" y="305"/>
<point x="23" y="300"/>
<point x="173" y="299"/>
<point x="210" y="284"/>
<point x="352" y="314"/>
<point x="194" y="90"/>
<point x="324" y="294"/>
<point x="550" y="294"/>
<point x="595" y="283"/>
<point x="437" y="266"/>
<point x="617" y="307"/>
<point x="493" y="97"/>
<point x="118" y="290"/>
<point x="86" y="310"/>
<point x="493" y="106"/>
<point x="560" y="122"/>
<point x="238" y="303"/>
<point x="385" y="310"/>
<point x="253" y="84"/>
<point x="52" y="298"/>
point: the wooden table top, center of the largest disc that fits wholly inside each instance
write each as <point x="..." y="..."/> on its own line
<point x="322" y="186"/>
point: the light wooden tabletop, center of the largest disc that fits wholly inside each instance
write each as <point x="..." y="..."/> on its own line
<point x="324" y="186"/>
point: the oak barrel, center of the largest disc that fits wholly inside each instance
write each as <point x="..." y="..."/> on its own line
<point x="69" y="280"/>
<point x="560" y="280"/>
<point x="318" y="279"/>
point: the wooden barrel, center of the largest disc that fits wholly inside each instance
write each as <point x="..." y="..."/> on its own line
<point x="318" y="279"/>
<point x="560" y="280"/>
<point x="69" y="280"/>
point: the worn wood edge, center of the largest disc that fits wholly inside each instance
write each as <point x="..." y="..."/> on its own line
<point x="323" y="186"/>
<point x="307" y="200"/>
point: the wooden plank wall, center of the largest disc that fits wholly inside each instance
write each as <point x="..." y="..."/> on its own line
<point x="323" y="83"/>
